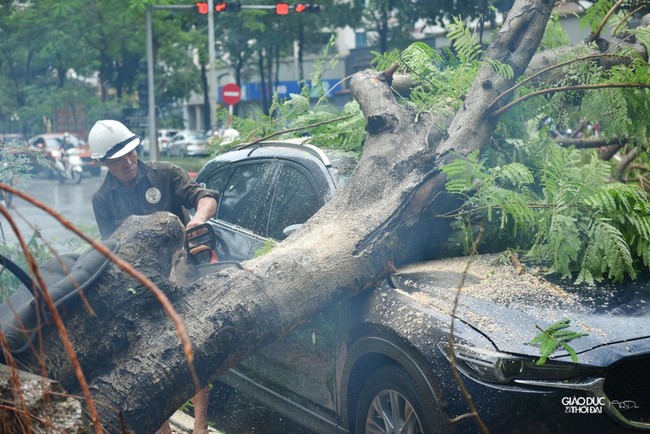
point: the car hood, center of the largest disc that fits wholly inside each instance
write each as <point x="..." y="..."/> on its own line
<point x="509" y="307"/>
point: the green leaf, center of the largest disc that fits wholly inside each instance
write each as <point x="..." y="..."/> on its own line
<point x="554" y="337"/>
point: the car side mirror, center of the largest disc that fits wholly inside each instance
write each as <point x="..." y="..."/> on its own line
<point x="291" y="229"/>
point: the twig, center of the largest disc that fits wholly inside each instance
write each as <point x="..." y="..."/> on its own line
<point x="506" y="107"/>
<point x="63" y="333"/>
<point x="452" y="355"/>
<point x="293" y="130"/>
<point x="545" y="70"/>
<point x="595" y="35"/>
<point x="120" y="263"/>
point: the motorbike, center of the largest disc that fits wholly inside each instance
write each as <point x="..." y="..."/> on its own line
<point x="67" y="166"/>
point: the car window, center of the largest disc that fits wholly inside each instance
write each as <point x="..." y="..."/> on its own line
<point x="244" y="199"/>
<point x="217" y="179"/>
<point x="294" y="201"/>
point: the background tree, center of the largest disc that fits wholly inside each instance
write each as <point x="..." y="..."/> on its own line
<point x="391" y="23"/>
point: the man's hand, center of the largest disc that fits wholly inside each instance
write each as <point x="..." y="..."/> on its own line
<point x="205" y="208"/>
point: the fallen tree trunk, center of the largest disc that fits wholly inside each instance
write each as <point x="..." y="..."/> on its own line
<point x="130" y="351"/>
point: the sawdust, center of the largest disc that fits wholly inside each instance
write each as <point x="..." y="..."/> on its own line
<point x="486" y="277"/>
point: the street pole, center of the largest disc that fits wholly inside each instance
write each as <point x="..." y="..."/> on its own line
<point x="152" y="131"/>
<point x="212" y="92"/>
<point x="212" y="85"/>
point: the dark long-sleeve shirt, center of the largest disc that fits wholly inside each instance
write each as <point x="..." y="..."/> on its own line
<point x="159" y="186"/>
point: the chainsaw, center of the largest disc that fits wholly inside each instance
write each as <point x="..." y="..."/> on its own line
<point x="200" y="245"/>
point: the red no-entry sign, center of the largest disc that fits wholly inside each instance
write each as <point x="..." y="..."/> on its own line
<point x="231" y="94"/>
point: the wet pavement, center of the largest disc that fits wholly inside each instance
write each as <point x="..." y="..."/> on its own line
<point x="234" y="413"/>
<point x="72" y="201"/>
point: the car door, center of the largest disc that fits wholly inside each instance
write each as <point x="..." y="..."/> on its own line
<point x="259" y="198"/>
<point x="302" y="360"/>
<point x="244" y="190"/>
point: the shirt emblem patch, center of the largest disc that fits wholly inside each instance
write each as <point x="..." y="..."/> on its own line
<point x="153" y="195"/>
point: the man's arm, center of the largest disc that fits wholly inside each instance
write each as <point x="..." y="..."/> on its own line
<point x="205" y="208"/>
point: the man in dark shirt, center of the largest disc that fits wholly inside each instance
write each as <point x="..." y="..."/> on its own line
<point x="133" y="187"/>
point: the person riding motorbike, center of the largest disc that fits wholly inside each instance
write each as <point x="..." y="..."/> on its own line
<point x="65" y="146"/>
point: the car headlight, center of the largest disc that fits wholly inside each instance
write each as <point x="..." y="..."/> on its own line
<point x="496" y="367"/>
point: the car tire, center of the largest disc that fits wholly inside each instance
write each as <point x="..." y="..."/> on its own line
<point x="392" y="401"/>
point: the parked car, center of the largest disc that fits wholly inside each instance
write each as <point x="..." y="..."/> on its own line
<point x="164" y="137"/>
<point x="379" y="362"/>
<point x="189" y="143"/>
<point x="53" y="141"/>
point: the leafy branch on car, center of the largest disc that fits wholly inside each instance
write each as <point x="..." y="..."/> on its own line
<point x="554" y="337"/>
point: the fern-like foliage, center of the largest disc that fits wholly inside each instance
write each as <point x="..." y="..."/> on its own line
<point x="590" y="230"/>
<point x="594" y="15"/>
<point x="557" y="205"/>
<point x="553" y="338"/>
<point x="503" y="69"/>
<point x="464" y="41"/>
<point x="442" y="77"/>
<point x="575" y="219"/>
<point x="607" y="250"/>
<point x="298" y="116"/>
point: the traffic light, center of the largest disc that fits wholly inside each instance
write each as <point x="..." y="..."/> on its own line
<point x="202" y="7"/>
<point x="282" y="8"/>
<point x="219" y="7"/>
<point x="306" y="7"/>
<point x="227" y="7"/>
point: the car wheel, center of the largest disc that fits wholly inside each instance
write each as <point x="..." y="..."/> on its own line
<point x="393" y="402"/>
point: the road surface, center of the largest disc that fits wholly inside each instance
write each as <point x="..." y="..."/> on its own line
<point x="72" y="201"/>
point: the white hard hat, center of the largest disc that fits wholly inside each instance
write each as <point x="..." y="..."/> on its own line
<point x="110" y="139"/>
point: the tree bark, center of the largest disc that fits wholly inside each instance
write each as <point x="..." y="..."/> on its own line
<point x="35" y="404"/>
<point x="129" y="350"/>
